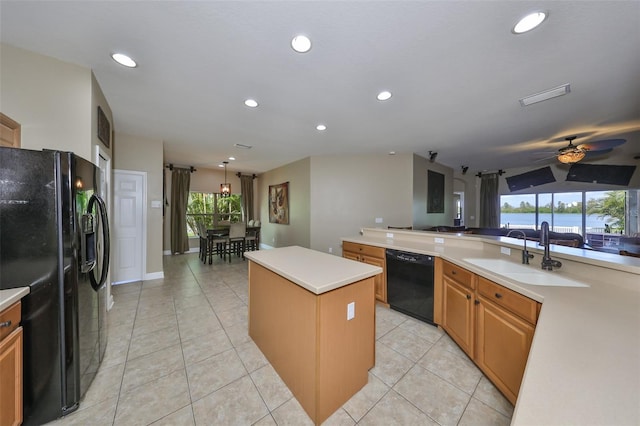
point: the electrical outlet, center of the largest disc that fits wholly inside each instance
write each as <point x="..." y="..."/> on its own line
<point x="351" y="311"/>
<point x="389" y="234"/>
<point x="379" y="220"/>
<point x="330" y="249"/>
<point x="505" y="250"/>
<point x="438" y="240"/>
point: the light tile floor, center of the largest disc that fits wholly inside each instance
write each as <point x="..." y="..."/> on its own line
<point x="179" y="354"/>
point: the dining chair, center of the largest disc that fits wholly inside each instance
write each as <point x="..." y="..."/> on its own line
<point x="235" y="240"/>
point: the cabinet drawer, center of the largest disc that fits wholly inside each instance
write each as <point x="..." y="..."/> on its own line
<point x="461" y="275"/>
<point x="363" y="249"/>
<point x="9" y="320"/>
<point x="509" y="299"/>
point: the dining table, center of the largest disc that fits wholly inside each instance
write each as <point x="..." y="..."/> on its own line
<point x="223" y="231"/>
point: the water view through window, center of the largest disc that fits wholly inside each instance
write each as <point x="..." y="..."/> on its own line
<point x="577" y="212"/>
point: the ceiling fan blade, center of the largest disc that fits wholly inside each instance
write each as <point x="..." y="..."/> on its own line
<point x="591" y="154"/>
<point x="603" y="144"/>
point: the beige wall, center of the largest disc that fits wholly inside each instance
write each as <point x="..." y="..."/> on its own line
<point x="135" y="153"/>
<point x="51" y="99"/>
<point x="350" y="192"/>
<point x="298" y="230"/>
<point x="422" y="219"/>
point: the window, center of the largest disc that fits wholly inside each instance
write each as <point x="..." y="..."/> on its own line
<point x="584" y="213"/>
<point x="212" y="210"/>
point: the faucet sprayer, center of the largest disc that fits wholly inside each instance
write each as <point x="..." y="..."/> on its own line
<point x="547" y="262"/>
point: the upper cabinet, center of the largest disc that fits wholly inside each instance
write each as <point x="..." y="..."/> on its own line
<point x="9" y="132"/>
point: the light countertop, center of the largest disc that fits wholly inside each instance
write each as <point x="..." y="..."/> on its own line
<point x="11" y="296"/>
<point x="584" y="363"/>
<point x="313" y="270"/>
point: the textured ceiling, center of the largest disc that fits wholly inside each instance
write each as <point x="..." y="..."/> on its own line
<point x="455" y="69"/>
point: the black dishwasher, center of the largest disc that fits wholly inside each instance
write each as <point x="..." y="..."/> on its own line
<point x="410" y="284"/>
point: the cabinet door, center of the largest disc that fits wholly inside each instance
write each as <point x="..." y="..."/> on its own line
<point x="503" y="343"/>
<point x="350" y="255"/>
<point x="380" y="279"/>
<point x="457" y="314"/>
<point x="11" y="379"/>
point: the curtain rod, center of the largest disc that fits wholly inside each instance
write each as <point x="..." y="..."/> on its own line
<point x="171" y="166"/>
<point x="253" y="176"/>
<point x="499" y="173"/>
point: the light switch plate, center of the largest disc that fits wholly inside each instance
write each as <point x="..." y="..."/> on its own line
<point x="505" y="250"/>
<point x="438" y="240"/>
<point x="378" y="220"/>
<point x="351" y="311"/>
<point x="389" y="234"/>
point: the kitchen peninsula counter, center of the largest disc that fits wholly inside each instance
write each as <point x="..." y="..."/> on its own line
<point x="312" y="314"/>
<point x="584" y="363"/>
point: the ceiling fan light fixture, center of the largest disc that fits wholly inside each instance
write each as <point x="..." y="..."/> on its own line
<point x="571" y="156"/>
<point x="529" y="22"/>
<point x="546" y="95"/>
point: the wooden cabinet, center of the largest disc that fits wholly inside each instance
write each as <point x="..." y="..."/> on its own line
<point x="491" y="323"/>
<point x="10" y="366"/>
<point x="458" y="317"/>
<point x="373" y="256"/>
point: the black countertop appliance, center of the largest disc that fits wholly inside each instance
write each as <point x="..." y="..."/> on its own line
<point x="54" y="238"/>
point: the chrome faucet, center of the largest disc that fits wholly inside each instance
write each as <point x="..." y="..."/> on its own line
<point x="547" y="262"/>
<point x="525" y="254"/>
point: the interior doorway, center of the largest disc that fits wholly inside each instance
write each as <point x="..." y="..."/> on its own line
<point x="458" y="208"/>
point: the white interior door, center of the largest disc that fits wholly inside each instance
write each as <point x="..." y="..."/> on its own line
<point x="129" y="217"/>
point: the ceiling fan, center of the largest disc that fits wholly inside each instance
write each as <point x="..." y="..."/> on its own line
<point x="571" y="153"/>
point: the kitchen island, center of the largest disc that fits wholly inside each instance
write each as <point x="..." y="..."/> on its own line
<point x="313" y="316"/>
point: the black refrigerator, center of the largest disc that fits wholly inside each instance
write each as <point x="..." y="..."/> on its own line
<point x="54" y="238"/>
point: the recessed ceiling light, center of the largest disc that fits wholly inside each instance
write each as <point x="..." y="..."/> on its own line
<point x="125" y="60"/>
<point x="529" y="22"/>
<point x="384" y="95"/>
<point x="392" y="153"/>
<point x="221" y="165"/>
<point x="232" y="158"/>
<point x="251" y="103"/>
<point x="321" y="127"/>
<point x="301" y="44"/>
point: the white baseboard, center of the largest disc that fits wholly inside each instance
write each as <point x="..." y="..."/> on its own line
<point x="154" y="276"/>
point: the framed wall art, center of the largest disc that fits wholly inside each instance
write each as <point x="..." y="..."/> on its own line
<point x="279" y="203"/>
<point x="435" y="192"/>
<point x="104" y="128"/>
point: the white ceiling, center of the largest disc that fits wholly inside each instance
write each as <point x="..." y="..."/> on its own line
<point x="455" y="69"/>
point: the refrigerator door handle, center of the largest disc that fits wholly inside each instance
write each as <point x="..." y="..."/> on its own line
<point x="104" y="221"/>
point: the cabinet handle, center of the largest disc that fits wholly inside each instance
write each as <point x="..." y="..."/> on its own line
<point x="476" y="302"/>
<point x="453" y="272"/>
<point x="5" y="324"/>
<point x="468" y="297"/>
<point x="498" y="296"/>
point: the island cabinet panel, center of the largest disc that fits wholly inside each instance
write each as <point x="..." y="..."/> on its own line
<point x="10" y="366"/>
<point x="503" y="345"/>
<point x="322" y="356"/>
<point x="373" y="256"/>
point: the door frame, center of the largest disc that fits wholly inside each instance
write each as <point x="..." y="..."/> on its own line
<point x="144" y="218"/>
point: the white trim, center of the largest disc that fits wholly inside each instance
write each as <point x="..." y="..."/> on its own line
<point x="154" y="276"/>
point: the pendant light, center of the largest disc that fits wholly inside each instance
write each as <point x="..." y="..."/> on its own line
<point x="225" y="188"/>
